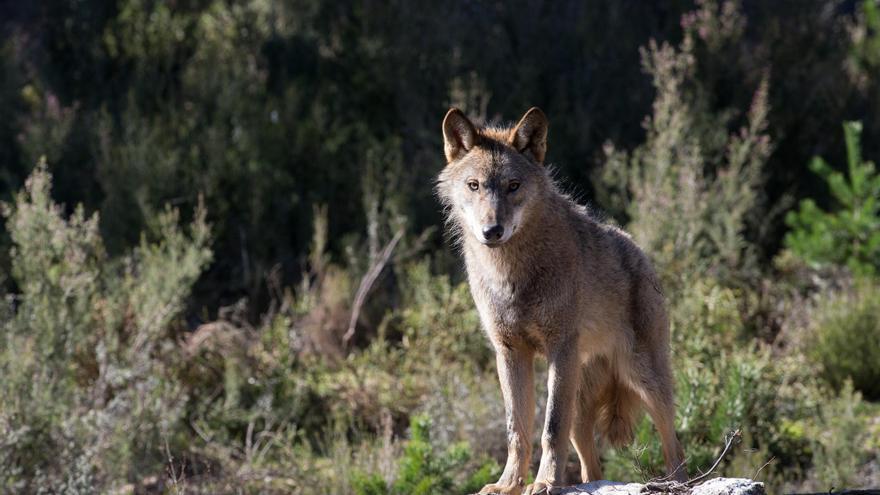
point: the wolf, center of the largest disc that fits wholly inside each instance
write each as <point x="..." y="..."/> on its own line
<point x="548" y="279"/>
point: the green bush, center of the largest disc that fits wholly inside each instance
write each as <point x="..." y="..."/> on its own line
<point x="849" y="234"/>
<point x="691" y="188"/>
<point x="424" y="469"/>
<point x="839" y="438"/>
<point x="723" y="383"/>
<point x="864" y="56"/>
<point x="845" y="340"/>
<point x="691" y="192"/>
<point x="89" y="397"/>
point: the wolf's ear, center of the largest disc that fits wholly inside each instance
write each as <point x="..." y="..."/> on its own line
<point x="459" y="134"/>
<point x="531" y="134"/>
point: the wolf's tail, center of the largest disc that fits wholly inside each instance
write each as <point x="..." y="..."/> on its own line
<point x="619" y="408"/>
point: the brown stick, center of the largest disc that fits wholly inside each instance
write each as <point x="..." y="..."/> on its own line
<point x="366" y="284"/>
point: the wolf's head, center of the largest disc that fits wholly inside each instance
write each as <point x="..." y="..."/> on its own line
<point x="494" y="177"/>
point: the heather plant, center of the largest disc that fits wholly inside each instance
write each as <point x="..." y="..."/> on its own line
<point x="89" y="398"/>
<point x="691" y="194"/>
<point x="721" y="386"/>
<point x="849" y="234"/>
<point x="691" y="188"/>
<point x="845" y="338"/>
<point x="840" y="440"/>
<point x="272" y="386"/>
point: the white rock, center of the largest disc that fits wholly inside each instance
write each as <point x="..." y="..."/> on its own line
<point x="729" y="486"/>
<point x="604" y="487"/>
<point x="715" y="486"/>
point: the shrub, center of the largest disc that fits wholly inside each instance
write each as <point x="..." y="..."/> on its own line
<point x="722" y="384"/>
<point x="864" y="56"/>
<point x="850" y="234"/>
<point x="424" y="469"/>
<point x="689" y="189"/>
<point x="839" y="439"/>
<point x="88" y="397"/>
<point x="845" y="340"/>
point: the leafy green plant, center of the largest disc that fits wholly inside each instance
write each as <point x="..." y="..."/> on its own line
<point x="864" y="56"/>
<point x="690" y="188"/>
<point x="424" y="469"/>
<point x="89" y="397"/>
<point x="845" y="340"/>
<point x="850" y="233"/>
<point x="839" y="440"/>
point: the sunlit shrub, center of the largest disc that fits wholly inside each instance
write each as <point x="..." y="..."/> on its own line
<point x="691" y="187"/>
<point x="839" y="437"/>
<point x="845" y="338"/>
<point x="850" y="234"/>
<point x="722" y="384"/>
<point x="88" y="390"/>
<point x="425" y="469"/>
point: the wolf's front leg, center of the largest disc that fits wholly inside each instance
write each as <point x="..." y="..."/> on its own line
<point x="562" y="385"/>
<point x="516" y="374"/>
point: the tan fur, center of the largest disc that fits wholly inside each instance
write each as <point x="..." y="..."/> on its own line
<point x="549" y="279"/>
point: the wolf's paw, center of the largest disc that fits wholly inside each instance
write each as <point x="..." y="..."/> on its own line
<point x="542" y="488"/>
<point x="502" y="489"/>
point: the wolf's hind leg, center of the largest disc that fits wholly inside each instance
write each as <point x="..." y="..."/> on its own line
<point x="653" y="383"/>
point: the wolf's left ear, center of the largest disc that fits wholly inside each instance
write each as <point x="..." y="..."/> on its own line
<point x="530" y="135"/>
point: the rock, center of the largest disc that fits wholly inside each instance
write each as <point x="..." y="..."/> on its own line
<point x="729" y="486"/>
<point x="715" y="486"/>
<point x="604" y="487"/>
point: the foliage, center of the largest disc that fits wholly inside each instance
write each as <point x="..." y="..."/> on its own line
<point x="88" y="394"/>
<point x="143" y="351"/>
<point x="423" y="469"/>
<point x="864" y="56"/>
<point x="840" y="440"/>
<point x="689" y="189"/>
<point x="849" y="235"/>
<point x="724" y="384"/>
<point x="271" y="109"/>
<point x="845" y="340"/>
<point x="691" y="194"/>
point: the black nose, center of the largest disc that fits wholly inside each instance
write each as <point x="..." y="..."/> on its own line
<point x="493" y="232"/>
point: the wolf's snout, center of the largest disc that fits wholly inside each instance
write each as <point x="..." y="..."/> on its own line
<point x="493" y="232"/>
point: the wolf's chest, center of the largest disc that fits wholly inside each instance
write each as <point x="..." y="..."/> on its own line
<point x="506" y="302"/>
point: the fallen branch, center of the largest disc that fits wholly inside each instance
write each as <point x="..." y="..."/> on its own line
<point x="680" y="487"/>
<point x="366" y="284"/>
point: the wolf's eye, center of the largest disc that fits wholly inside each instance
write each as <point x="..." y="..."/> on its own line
<point x="473" y="185"/>
<point x="513" y="186"/>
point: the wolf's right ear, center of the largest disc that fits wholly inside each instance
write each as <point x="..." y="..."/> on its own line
<point x="530" y="134"/>
<point x="459" y="135"/>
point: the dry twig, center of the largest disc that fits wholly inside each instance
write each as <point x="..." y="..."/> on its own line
<point x="367" y="283"/>
<point x="681" y="487"/>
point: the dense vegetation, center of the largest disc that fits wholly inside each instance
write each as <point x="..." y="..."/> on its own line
<point x="194" y="193"/>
